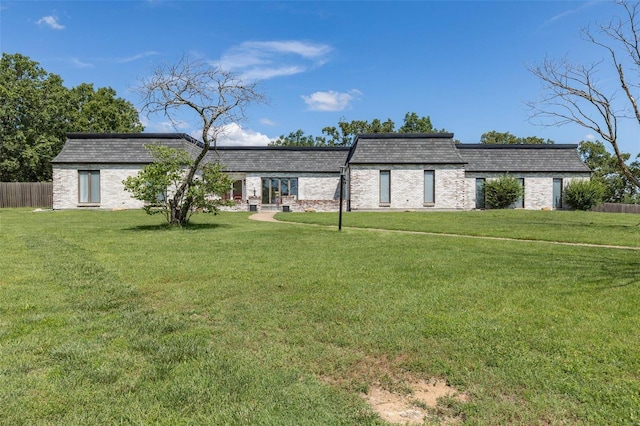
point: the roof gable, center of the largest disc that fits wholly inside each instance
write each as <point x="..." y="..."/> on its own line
<point x="120" y="148"/>
<point x="404" y="148"/>
<point x="374" y="148"/>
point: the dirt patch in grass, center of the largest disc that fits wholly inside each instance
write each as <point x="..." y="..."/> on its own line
<point x="420" y="403"/>
<point x="399" y="396"/>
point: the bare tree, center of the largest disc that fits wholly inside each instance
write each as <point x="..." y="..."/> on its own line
<point x="574" y="94"/>
<point x="193" y="87"/>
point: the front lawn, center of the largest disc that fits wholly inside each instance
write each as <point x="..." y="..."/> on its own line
<point x="110" y="317"/>
<point x="565" y="226"/>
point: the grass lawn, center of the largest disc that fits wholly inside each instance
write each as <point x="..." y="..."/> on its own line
<point x="565" y="226"/>
<point x="109" y="317"/>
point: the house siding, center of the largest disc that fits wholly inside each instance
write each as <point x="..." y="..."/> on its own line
<point x="406" y="157"/>
<point x="317" y="191"/>
<point x="538" y="187"/>
<point x="310" y="186"/>
<point x="112" y="193"/>
<point x="407" y="186"/>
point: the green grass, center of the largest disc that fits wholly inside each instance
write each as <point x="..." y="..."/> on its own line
<point x="565" y="226"/>
<point x="110" y="317"/>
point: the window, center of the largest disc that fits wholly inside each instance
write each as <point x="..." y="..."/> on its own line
<point x="89" y="186"/>
<point x="429" y="187"/>
<point x="519" y="203"/>
<point x="557" y="193"/>
<point x="480" y="197"/>
<point x="385" y="187"/>
<point x="235" y="192"/>
<point x="275" y="188"/>
<point x="162" y="196"/>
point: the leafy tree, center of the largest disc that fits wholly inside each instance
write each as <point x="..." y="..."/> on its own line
<point x="573" y="93"/>
<point x="502" y="192"/>
<point x="215" y="97"/>
<point x="157" y="182"/>
<point x="298" y="138"/>
<point x="493" y="137"/>
<point x="32" y="119"/>
<point x="36" y="112"/>
<point x="535" y="140"/>
<point x="100" y="111"/>
<point x="584" y="194"/>
<point x="618" y="189"/>
<point x="346" y="131"/>
<point x="415" y="124"/>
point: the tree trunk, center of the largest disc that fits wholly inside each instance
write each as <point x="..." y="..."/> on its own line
<point x="177" y="218"/>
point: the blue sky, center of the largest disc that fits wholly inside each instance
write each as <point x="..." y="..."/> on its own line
<point x="464" y="64"/>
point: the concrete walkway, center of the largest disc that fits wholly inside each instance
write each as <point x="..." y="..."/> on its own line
<point x="268" y="217"/>
<point x="264" y="216"/>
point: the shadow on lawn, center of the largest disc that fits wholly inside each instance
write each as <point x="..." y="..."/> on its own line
<point x="624" y="274"/>
<point x="614" y="272"/>
<point x="167" y="227"/>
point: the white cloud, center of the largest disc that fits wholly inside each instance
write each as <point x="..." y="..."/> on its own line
<point x="79" y="64"/>
<point x="569" y="12"/>
<point x="267" y="73"/>
<point x="234" y="135"/>
<point x="590" y="137"/>
<point x="331" y="100"/>
<point x="51" y="22"/>
<point x="165" y="126"/>
<point x="262" y="60"/>
<point x="136" y="57"/>
<point x="267" y="122"/>
<point x="306" y="50"/>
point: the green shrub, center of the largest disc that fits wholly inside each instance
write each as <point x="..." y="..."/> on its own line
<point x="502" y="192"/>
<point x="584" y="194"/>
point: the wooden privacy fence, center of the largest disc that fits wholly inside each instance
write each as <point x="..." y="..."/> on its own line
<point x="617" y="208"/>
<point x="26" y="194"/>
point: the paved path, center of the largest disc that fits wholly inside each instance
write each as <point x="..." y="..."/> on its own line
<point x="264" y="217"/>
<point x="268" y="217"/>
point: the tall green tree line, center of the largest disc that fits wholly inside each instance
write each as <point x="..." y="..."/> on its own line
<point x="37" y="111"/>
<point x="345" y="132"/>
<point x="606" y="169"/>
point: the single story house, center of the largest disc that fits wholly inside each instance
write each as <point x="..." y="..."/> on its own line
<point x="382" y="171"/>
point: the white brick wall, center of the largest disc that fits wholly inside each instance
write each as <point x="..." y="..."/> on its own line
<point x="407" y="186"/>
<point x="453" y="188"/>
<point x="112" y="193"/>
<point x="538" y="188"/>
<point x="311" y="186"/>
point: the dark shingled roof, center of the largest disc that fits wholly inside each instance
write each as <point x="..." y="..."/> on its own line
<point x="405" y="148"/>
<point x="373" y="148"/>
<point x="120" y="148"/>
<point x="129" y="148"/>
<point x="280" y="159"/>
<point x="522" y="158"/>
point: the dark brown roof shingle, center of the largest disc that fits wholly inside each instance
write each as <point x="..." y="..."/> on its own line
<point x="119" y="148"/>
<point x="522" y="158"/>
<point x="405" y="148"/>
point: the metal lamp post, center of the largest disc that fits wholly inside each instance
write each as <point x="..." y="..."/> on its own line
<point x="341" y="196"/>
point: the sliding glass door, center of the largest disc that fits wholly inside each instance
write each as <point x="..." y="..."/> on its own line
<point x="273" y="189"/>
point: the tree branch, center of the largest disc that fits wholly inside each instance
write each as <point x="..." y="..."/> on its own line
<point x="216" y="97"/>
<point x="573" y="95"/>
